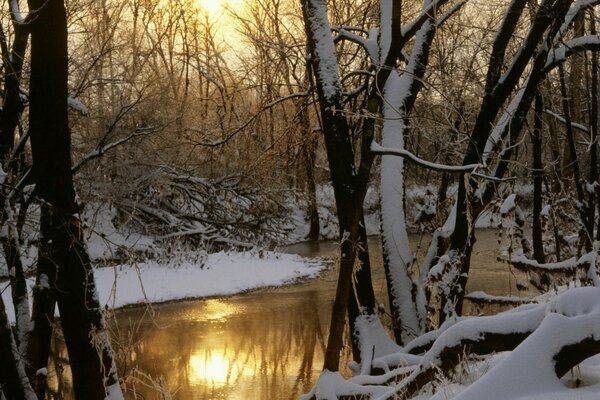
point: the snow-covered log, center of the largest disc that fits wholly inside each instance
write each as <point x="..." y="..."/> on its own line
<point x="480" y="335"/>
<point x="569" y="333"/>
<point x="569" y="267"/>
<point x="483" y="298"/>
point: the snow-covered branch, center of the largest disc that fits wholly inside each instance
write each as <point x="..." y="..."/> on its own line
<point x="560" y="54"/>
<point x="98" y="152"/>
<point x="482" y="298"/>
<point x="567" y="335"/>
<point x="570" y="265"/>
<point x="573" y="11"/>
<point x="562" y="119"/>
<point x="378" y="149"/>
<point x="369" y="43"/>
<point x="411" y="28"/>
<point x="16" y="12"/>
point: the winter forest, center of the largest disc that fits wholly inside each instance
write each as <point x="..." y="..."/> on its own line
<point x="279" y="199"/>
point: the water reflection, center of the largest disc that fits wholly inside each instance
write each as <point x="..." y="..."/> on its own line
<point x="262" y="345"/>
<point x="266" y="345"/>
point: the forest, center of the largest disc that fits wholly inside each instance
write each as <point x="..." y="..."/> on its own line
<point x="139" y="131"/>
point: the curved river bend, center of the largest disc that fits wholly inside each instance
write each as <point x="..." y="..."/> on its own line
<point x="263" y="345"/>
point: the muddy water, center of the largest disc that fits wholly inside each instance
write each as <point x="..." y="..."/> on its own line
<point x="262" y="345"/>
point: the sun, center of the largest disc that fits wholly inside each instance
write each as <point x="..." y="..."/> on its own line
<point x="212" y="7"/>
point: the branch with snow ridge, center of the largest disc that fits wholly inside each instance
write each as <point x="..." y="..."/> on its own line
<point x="569" y="267"/>
<point x="386" y="151"/>
<point x="481" y="335"/>
<point x="562" y="119"/>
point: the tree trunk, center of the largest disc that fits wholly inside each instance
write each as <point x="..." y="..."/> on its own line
<point x="362" y="297"/>
<point x="593" y="177"/>
<point x="92" y="365"/>
<point x="585" y="235"/>
<point x="12" y="105"/>
<point x="538" y="177"/>
<point x="309" y="152"/>
<point x="42" y="314"/>
<point x="349" y="186"/>
<point x="497" y="92"/>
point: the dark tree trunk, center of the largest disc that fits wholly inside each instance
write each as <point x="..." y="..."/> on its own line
<point x="42" y="313"/>
<point x="12" y="105"/>
<point x="349" y="186"/>
<point x="309" y="152"/>
<point x="538" y="177"/>
<point x="585" y="236"/>
<point x="12" y="109"/>
<point x="88" y="345"/>
<point x="362" y="298"/>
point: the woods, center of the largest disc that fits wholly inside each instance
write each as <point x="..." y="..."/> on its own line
<point x="200" y="133"/>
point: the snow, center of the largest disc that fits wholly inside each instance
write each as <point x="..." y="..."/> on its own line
<point x="324" y="49"/>
<point x="217" y="274"/>
<point x="77" y="105"/>
<point x="331" y="385"/>
<point x="528" y="372"/>
<point x="114" y="392"/>
<point x="374" y="341"/>
<point x="378" y="149"/>
<point x="509" y="204"/>
<point x="393" y="223"/>
<point x="16" y="13"/>
<point x="104" y="240"/>
<point x="488" y="298"/>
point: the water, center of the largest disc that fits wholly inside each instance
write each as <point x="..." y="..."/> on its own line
<point x="265" y="345"/>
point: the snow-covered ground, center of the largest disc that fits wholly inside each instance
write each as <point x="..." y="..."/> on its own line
<point x="204" y="275"/>
<point x="169" y="272"/>
<point x="562" y="328"/>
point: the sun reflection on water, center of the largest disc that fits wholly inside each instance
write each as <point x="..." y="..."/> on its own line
<point x="209" y="369"/>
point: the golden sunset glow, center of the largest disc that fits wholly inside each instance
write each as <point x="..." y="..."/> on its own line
<point x="217" y="9"/>
<point x="211" y="369"/>
<point x="211" y="7"/>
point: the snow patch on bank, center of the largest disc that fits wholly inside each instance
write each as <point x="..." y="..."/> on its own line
<point x="217" y="274"/>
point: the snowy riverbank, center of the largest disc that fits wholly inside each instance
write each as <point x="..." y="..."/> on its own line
<point x="206" y="275"/>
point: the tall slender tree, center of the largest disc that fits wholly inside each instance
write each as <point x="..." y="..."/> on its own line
<point x="92" y="364"/>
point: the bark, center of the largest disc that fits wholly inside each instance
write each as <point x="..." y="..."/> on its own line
<point x="538" y="176"/>
<point x="586" y="236"/>
<point x="341" y="164"/>
<point x="12" y="104"/>
<point x="88" y="346"/>
<point x="42" y="314"/>
<point x="309" y="156"/>
<point x="362" y="297"/>
<point x="593" y="177"/>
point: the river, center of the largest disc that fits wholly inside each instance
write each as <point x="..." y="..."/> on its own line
<point x="262" y="345"/>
